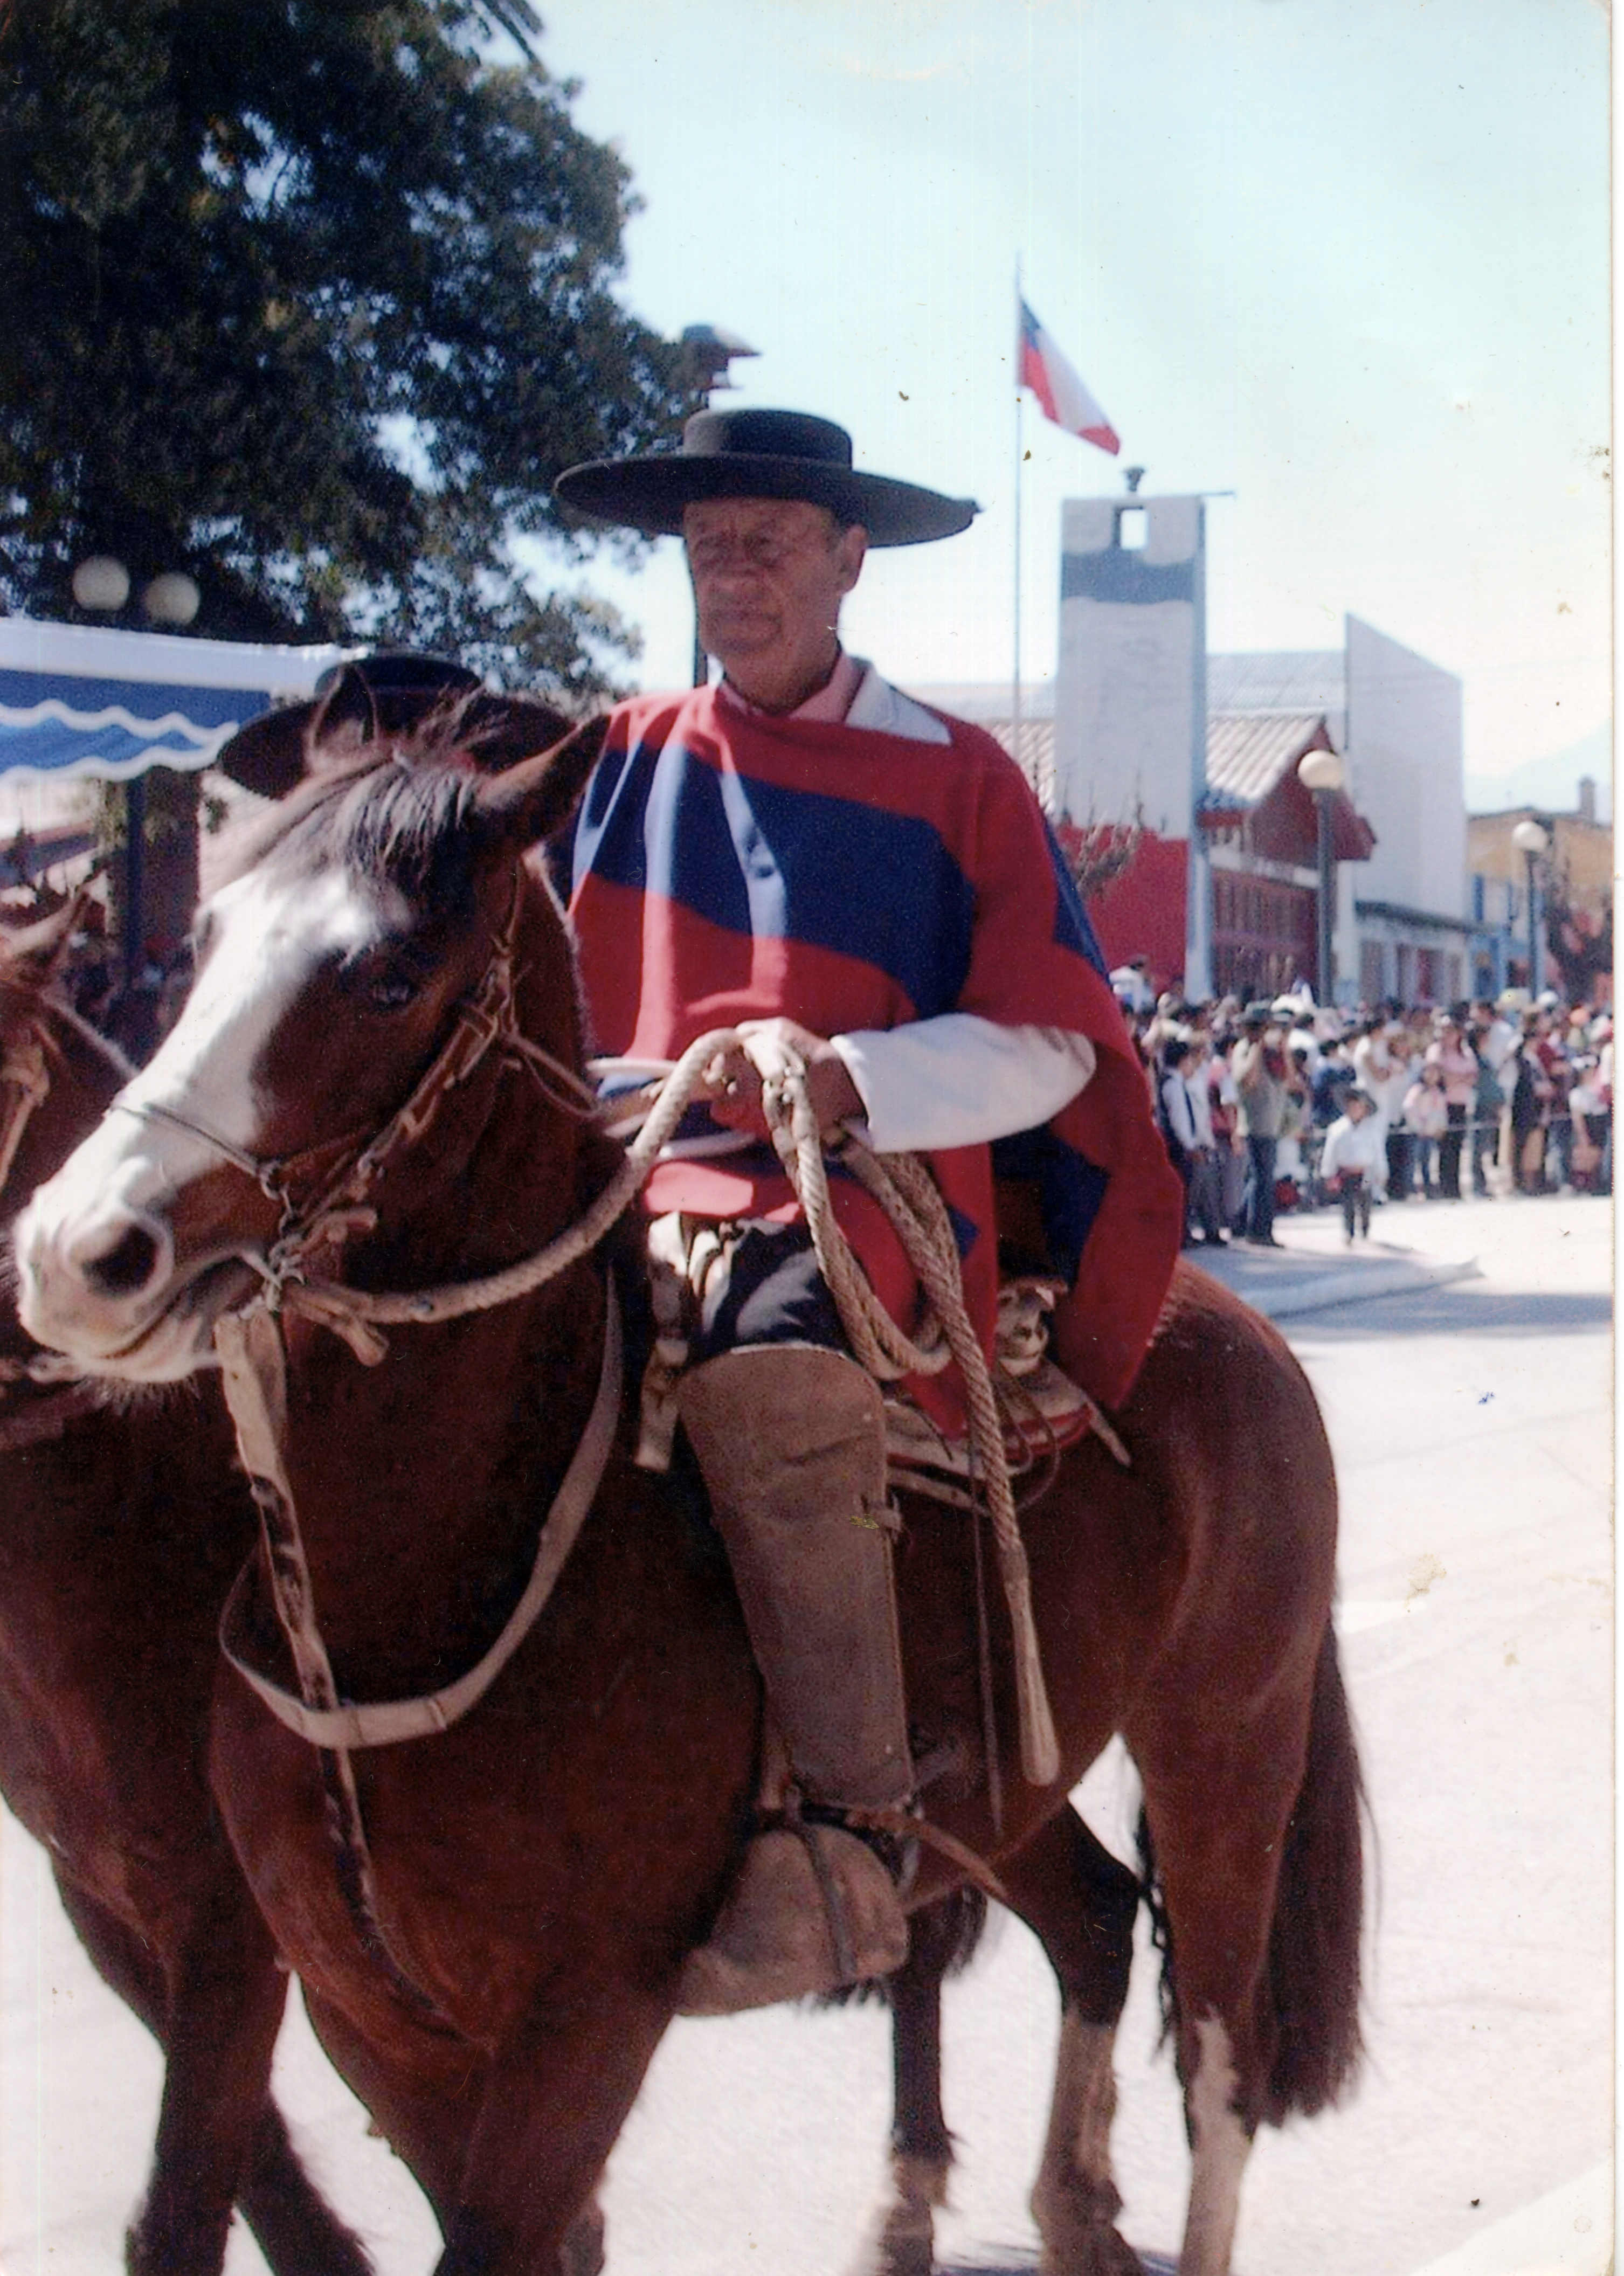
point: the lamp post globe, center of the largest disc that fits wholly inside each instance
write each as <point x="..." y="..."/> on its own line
<point x="1531" y="840"/>
<point x="171" y="599"/>
<point x="1323" y="774"/>
<point x="100" y="584"/>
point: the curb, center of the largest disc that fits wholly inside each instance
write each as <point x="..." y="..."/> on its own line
<point x="1353" y="1284"/>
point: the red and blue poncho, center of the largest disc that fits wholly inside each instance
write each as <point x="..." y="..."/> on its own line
<point x="731" y="866"/>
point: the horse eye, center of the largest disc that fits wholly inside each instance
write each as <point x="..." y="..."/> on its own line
<point x="393" y="991"/>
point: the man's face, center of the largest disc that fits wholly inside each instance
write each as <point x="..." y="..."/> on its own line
<point x="769" y="577"/>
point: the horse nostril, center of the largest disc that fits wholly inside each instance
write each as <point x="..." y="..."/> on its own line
<point x="127" y="1266"/>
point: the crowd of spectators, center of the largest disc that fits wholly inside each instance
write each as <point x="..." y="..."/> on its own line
<point x="1264" y="1107"/>
<point x="1273" y="1106"/>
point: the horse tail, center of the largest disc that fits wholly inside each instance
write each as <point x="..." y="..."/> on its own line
<point x="1310" y="1990"/>
<point x="953" y="1926"/>
<point x="1314" y="1940"/>
<point x="1161" y="1928"/>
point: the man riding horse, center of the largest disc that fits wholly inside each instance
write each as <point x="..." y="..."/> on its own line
<point x="865" y="890"/>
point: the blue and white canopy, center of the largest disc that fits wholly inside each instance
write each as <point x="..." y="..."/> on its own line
<point x="76" y="700"/>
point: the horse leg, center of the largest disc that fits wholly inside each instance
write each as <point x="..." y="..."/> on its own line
<point x="123" y="1963"/>
<point x="428" y="2097"/>
<point x="1080" y="1902"/>
<point x="226" y="1998"/>
<point x="295" y="2227"/>
<point x="294" y="2224"/>
<point x="900" y="2237"/>
<point x="1217" y="1822"/>
<point x="552" y="2104"/>
<point x="1256" y="1830"/>
<point x="422" y="2096"/>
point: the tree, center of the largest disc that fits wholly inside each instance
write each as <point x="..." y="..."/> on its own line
<point x="1578" y="928"/>
<point x="312" y="299"/>
<point x="1098" y="852"/>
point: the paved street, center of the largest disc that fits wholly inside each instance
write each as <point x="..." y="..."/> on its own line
<point x="1471" y="1420"/>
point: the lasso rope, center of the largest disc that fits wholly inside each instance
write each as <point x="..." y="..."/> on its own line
<point x="904" y="1189"/>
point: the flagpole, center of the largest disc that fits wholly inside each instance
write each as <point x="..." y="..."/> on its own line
<point x="1014" y="708"/>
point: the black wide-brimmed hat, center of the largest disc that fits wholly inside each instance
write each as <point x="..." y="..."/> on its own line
<point x="389" y="692"/>
<point x="765" y="454"/>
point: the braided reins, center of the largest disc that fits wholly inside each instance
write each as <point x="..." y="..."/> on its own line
<point x="899" y="1183"/>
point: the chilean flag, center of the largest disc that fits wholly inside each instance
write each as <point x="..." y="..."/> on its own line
<point x="1060" y="393"/>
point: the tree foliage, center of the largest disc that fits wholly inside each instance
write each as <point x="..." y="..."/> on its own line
<point x="1578" y="931"/>
<point x="311" y="299"/>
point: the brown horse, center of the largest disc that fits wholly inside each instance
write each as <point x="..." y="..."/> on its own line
<point x="492" y="1956"/>
<point x="120" y="1532"/>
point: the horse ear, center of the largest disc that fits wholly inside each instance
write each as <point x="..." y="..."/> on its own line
<point x="344" y="722"/>
<point x="529" y="800"/>
<point x="33" y="954"/>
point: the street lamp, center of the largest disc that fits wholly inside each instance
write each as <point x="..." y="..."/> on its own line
<point x="705" y="352"/>
<point x="1530" y="839"/>
<point x="1323" y="773"/>
<point x="101" y="585"/>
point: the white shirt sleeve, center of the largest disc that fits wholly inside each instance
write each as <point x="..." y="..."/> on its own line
<point x="960" y="1080"/>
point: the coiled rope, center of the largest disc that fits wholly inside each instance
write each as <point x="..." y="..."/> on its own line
<point x="903" y="1187"/>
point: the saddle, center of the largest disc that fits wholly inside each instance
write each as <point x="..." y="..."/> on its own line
<point x="1044" y="1411"/>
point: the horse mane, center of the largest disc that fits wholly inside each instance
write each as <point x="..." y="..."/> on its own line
<point x="392" y="807"/>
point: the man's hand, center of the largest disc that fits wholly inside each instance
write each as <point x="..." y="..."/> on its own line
<point x="765" y="1050"/>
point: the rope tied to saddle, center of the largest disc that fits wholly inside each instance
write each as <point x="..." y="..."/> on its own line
<point x="253" y="1359"/>
<point x="903" y="1187"/>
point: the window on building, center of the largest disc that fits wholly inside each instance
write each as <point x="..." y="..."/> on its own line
<point x="1133" y="528"/>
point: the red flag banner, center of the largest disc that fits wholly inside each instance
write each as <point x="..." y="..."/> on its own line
<point x="1060" y="393"/>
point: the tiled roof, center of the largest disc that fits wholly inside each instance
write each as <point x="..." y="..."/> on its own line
<point x="1035" y="756"/>
<point x="987" y="705"/>
<point x="1248" y="752"/>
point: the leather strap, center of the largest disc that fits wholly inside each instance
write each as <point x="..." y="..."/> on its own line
<point x="386" y="1722"/>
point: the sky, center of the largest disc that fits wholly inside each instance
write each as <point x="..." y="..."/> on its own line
<point x="1342" y="264"/>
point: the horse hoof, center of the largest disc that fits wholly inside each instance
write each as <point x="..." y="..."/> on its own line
<point x="1076" y="2223"/>
<point x="890" y="2252"/>
<point x="900" y="2235"/>
<point x="149" y="2254"/>
<point x="581" y="2253"/>
<point x="1098" y="2251"/>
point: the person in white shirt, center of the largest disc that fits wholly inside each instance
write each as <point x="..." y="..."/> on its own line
<point x="1385" y="1061"/>
<point x="1131" y="985"/>
<point x="1354" y="1157"/>
<point x="1206" y="1164"/>
<point x="1187" y="1120"/>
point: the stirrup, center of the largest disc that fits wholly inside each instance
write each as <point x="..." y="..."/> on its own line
<point x="813" y="1910"/>
<point x="897" y="1852"/>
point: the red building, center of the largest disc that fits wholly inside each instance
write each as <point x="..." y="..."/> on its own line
<point x="1260" y="830"/>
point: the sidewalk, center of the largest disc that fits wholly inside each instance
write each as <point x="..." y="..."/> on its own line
<point x="1413" y="1245"/>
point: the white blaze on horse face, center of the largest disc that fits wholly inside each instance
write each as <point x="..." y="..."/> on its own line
<point x="269" y="939"/>
<point x="270" y="936"/>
